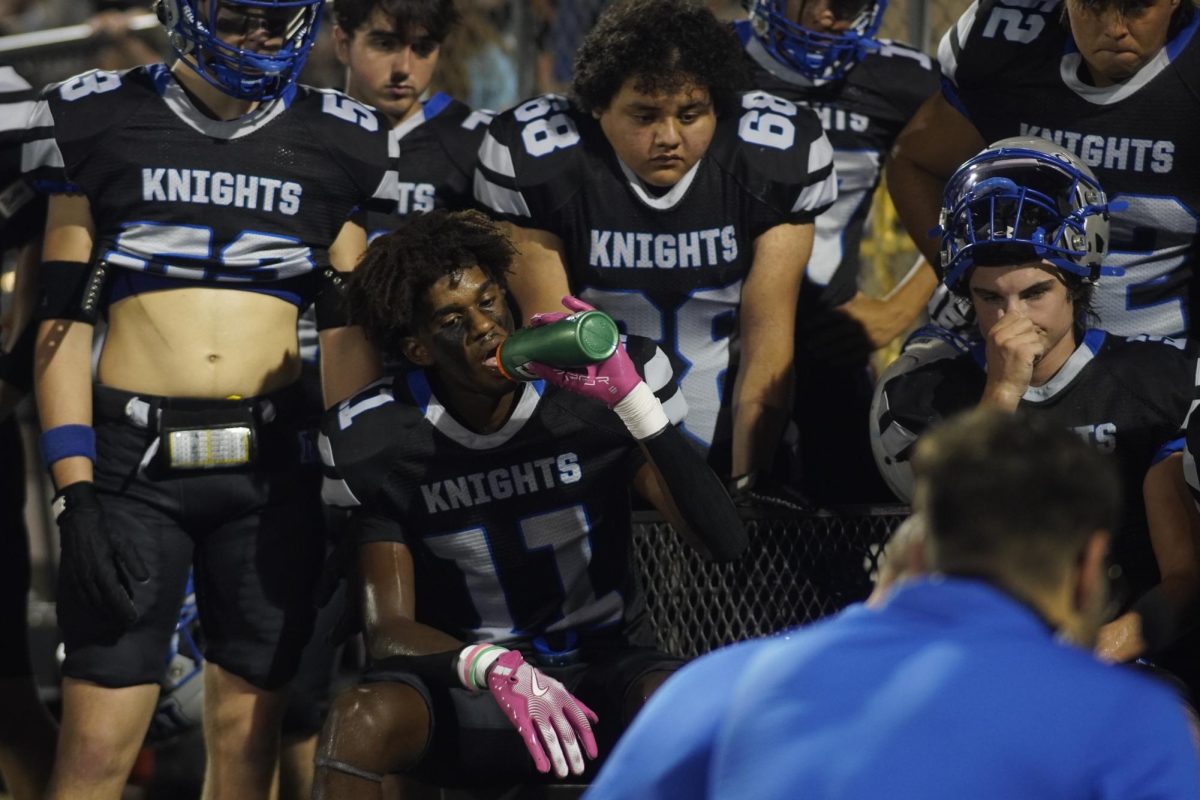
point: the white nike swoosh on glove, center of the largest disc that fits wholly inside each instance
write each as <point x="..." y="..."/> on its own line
<point x="538" y="691"/>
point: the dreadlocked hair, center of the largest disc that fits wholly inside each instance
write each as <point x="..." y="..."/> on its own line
<point x="386" y="292"/>
<point x="664" y="45"/>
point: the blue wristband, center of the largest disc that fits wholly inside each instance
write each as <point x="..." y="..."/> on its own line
<point x="66" y="441"/>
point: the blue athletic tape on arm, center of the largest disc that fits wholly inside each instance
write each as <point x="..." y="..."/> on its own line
<point x="66" y="441"/>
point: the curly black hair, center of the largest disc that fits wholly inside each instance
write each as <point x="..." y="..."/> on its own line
<point x="664" y="45"/>
<point x="386" y="292"/>
<point x="437" y="17"/>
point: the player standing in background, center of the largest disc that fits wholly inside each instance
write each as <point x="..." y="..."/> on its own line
<point x="1112" y="81"/>
<point x="1024" y="226"/>
<point x="975" y="681"/>
<point x="822" y="54"/>
<point x="202" y="205"/>
<point x="679" y="205"/>
<point x="390" y="49"/>
<point x="493" y="529"/>
<point x="26" y="729"/>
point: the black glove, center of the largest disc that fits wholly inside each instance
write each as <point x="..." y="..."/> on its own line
<point x="750" y="492"/>
<point x="97" y="561"/>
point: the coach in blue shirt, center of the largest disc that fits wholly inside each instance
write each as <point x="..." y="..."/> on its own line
<point x="975" y="682"/>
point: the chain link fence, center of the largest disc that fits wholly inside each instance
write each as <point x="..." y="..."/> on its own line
<point x="797" y="569"/>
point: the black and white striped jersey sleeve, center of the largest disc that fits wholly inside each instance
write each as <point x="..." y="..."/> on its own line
<point x="778" y="152"/>
<point x="529" y="161"/>
<point x="658" y="373"/>
<point x="22" y="212"/>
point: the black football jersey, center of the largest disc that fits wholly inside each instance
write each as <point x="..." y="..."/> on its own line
<point x="1014" y="70"/>
<point x="22" y="212"/>
<point x="1126" y="397"/>
<point x="862" y="115"/>
<point x="436" y="150"/>
<point x="667" y="267"/>
<point x="176" y="195"/>
<point x="434" y="154"/>
<point x="513" y="533"/>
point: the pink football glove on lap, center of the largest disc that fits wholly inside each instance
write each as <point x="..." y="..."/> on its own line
<point x="549" y="718"/>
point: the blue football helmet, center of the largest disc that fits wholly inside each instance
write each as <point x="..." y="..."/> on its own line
<point x="819" y="57"/>
<point x="193" y="27"/>
<point x="1023" y="199"/>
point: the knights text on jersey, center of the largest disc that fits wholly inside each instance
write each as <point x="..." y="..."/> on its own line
<point x="1013" y="69"/>
<point x="667" y="267"/>
<point x="437" y="149"/>
<point x="516" y="532"/>
<point x="1126" y="397"/>
<point x="862" y="116"/>
<point x="179" y="195"/>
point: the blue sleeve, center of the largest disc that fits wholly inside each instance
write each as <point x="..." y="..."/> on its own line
<point x="1151" y="758"/>
<point x="665" y="752"/>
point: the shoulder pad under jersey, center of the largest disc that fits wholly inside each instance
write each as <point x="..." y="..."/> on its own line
<point x="529" y="161"/>
<point x="777" y="151"/>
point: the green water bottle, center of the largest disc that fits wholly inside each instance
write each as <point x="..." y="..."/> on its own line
<point x="574" y="341"/>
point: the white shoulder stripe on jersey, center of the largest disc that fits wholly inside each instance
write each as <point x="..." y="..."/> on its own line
<point x="42" y="153"/>
<point x="389" y="187"/>
<point x="820" y="154"/>
<point x="11" y="80"/>
<point x="41" y="116"/>
<point x="817" y="195"/>
<point x="334" y="491"/>
<point x="496" y="157"/>
<point x="676" y="408"/>
<point x="498" y="198"/>
<point x="16" y="116"/>
<point x="947" y="58"/>
<point x="658" y="370"/>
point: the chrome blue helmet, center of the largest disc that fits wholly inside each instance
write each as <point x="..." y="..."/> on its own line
<point x="820" y="57"/>
<point x="1023" y="198"/>
<point x="193" y="27"/>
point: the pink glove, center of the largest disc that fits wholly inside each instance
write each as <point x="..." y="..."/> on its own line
<point x="546" y="715"/>
<point x="609" y="381"/>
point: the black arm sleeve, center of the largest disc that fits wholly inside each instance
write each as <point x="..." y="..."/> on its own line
<point x="436" y="669"/>
<point x="699" y="495"/>
<point x="71" y="290"/>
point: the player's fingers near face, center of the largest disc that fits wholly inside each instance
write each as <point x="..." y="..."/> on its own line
<point x="1010" y="325"/>
<point x="1018" y="338"/>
